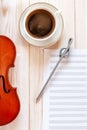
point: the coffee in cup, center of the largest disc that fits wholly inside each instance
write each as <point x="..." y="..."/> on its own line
<point x="41" y="25"/>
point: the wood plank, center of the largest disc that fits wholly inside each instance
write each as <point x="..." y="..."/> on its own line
<point x="80" y="21"/>
<point x="36" y="67"/>
<point x="35" y="1"/>
<point x="69" y="24"/>
<point x="19" y="76"/>
<point x="36" y="61"/>
<point x="86" y="26"/>
<point x="7" y="18"/>
<point x="23" y="67"/>
<point x="68" y="16"/>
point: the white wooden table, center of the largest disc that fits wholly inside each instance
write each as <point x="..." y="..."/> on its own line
<point x="28" y="71"/>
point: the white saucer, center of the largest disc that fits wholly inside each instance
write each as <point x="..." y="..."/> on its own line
<point x="55" y="35"/>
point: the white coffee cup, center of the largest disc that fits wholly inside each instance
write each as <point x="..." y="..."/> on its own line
<point x="43" y="41"/>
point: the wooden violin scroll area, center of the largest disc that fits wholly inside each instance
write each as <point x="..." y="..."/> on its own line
<point x="9" y="101"/>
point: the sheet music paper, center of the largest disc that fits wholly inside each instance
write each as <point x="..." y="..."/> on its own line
<point x="65" y="100"/>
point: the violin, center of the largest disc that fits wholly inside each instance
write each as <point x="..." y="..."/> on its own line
<point x="9" y="101"/>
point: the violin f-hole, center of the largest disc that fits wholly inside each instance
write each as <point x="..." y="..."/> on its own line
<point x="4" y="86"/>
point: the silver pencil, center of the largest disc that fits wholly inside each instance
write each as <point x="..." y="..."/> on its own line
<point x="63" y="53"/>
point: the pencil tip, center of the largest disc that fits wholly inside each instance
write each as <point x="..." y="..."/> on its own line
<point x="36" y="100"/>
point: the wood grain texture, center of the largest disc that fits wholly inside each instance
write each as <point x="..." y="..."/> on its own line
<point x="80" y="23"/>
<point x="28" y="72"/>
<point x="19" y="76"/>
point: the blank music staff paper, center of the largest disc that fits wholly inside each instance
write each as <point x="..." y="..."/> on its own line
<point x="65" y="100"/>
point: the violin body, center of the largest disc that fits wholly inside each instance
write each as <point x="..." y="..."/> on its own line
<point x="9" y="101"/>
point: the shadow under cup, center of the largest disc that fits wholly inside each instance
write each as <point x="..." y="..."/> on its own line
<point x="40" y="23"/>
